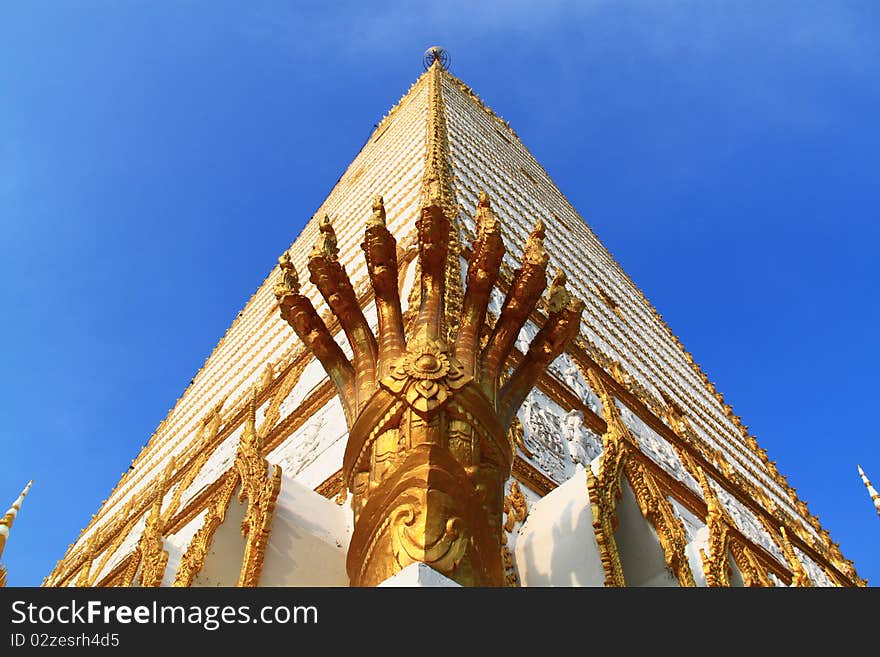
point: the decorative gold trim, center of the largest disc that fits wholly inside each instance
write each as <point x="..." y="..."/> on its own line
<point x="332" y="486"/>
<point x="739" y="487"/>
<point x="153" y="555"/>
<point x="288" y="383"/>
<point x="117" y="577"/>
<point x="668" y="526"/>
<point x="193" y="560"/>
<point x="603" y="498"/>
<point x="799" y="574"/>
<point x="515" y="508"/>
<point x="260" y="485"/>
<point x="84" y="577"/>
<point x="128" y="575"/>
<point x="529" y="475"/>
<point x="204" y="443"/>
<point x="119" y="530"/>
<point x="715" y="565"/>
<point x="618" y="459"/>
<point x="750" y="567"/>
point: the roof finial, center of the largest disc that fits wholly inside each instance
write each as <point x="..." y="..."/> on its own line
<point x="436" y="55"/>
<point x="7" y="520"/>
<point x="875" y="496"/>
<point x="6" y="524"/>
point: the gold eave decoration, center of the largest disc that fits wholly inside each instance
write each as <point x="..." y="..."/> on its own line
<point x="260" y="485"/>
<point x="151" y="550"/>
<point x="619" y="459"/>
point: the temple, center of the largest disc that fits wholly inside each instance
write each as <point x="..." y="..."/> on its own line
<point x="447" y="380"/>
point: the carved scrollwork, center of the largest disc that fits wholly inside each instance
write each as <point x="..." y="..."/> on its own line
<point x="619" y="458"/>
<point x="515" y="508"/>
<point x="207" y="435"/>
<point x="750" y="567"/>
<point x="153" y="555"/>
<point x="86" y="575"/>
<point x="799" y="578"/>
<point x="193" y="559"/>
<point x="260" y="485"/>
<point x="657" y="509"/>
<point x="715" y="561"/>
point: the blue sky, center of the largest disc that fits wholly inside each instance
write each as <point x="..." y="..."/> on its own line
<point x="156" y="157"/>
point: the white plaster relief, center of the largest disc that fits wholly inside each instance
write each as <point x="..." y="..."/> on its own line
<point x="555" y="437"/>
<point x="816" y="574"/>
<point x="125" y="548"/>
<point x="304" y="445"/>
<point x="312" y="376"/>
<point x="657" y="449"/>
<point x="218" y="463"/>
<point x="697" y="535"/>
<point x="747" y="523"/>
<point x="176" y="545"/>
<point x="566" y="370"/>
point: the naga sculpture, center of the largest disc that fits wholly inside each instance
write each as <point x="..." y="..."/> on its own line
<point x="428" y="416"/>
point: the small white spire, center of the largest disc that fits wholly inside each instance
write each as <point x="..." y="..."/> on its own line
<point x="9" y="517"/>
<point x="875" y="496"/>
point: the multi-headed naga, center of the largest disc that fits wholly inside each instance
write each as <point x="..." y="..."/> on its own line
<point x="428" y="414"/>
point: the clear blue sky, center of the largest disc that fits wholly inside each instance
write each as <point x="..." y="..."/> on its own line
<point x="156" y="157"/>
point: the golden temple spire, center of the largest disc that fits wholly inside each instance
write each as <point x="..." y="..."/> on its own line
<point x="6" y="524"/>
<point x="875" y="496"/>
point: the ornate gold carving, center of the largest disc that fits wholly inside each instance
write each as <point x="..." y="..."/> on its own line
<point x="127" y="578"/>
<point x="207" y="436"/>
<point x="658" y="510"/>
<point x="85" y="576"/>
<point x="799" y="574"/>
<point x="260" y="486"/>
<point x="604" y="494"/>
<point x="511" y="578"/>
<point x="620" y="448"/>
<point x="332" y="486"/>
<point x="750" y="567"/>
<point x="532" y="477"/>
<point x="119" y="530"/>
<point x="604" y="488"/>
<point x="153" y="555"/>
<point x="273" y="412"/>
<point x="516" y="435"/>
<point x="724" y="538"/>
<point x="193" y="560"/>
<point x="715" y="566"/>
<point x="515" y="507"/>
<point x="428" y="451"/>
<point x="827" y="550"/>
